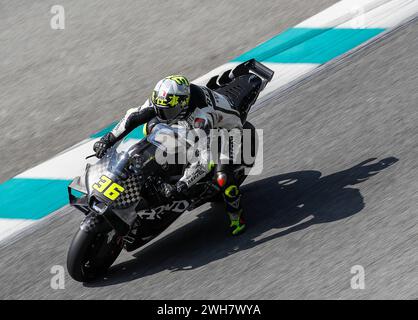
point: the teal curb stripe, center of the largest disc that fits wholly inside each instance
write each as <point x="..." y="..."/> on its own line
<point x="32" y="198"/>
<point x="135" y="134"/>
<point x="309" y="45"/>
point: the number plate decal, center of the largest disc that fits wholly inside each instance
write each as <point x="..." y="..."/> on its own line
<point x="108" y="188"/>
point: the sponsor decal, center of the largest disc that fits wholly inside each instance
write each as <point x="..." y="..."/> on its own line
<point x="156" y="213"/>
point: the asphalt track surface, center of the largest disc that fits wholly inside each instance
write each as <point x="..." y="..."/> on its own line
<point x="338" y="189"/>
<point x="60" y="86"/>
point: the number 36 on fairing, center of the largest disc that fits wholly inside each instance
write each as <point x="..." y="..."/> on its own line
<point x="108" y="188"/>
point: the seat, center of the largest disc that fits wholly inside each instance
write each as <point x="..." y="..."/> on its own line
<point x="241" y="92"/>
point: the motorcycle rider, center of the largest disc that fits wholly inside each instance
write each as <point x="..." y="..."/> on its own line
<point x="174" y="100"/>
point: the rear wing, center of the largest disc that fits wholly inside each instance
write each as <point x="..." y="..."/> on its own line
<point x="256" y="67"/>
<point x="250" y="66"/>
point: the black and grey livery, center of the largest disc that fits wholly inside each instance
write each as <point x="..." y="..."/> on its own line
<point x="121" y="194"/>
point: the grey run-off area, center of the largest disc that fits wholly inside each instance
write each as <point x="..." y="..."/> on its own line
<point x="57" y="87"/>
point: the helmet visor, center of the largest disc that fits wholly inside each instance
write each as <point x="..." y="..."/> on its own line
<point x="167" y="113"/>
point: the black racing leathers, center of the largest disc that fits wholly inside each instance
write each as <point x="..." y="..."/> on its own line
<point x="208" y="110"/>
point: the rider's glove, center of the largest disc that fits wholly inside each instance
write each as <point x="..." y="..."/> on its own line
<point x="181" y="187"/>
<point x="169" y="191"/>
<point x="101" y="146"/>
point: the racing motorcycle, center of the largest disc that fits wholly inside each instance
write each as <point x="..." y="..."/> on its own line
<point x="120" y="194"/>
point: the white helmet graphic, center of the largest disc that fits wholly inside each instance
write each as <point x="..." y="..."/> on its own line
<point x="170" y="97"/>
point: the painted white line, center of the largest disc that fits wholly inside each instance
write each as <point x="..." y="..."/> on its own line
<point x="66" y="165"/>
<point x="10" y="226"/>
<point x="362" y="14"/>
<point x="285" y="73"/>
<point x="386" y="16"/>
<point x="63" y="166"/>
<point x="219" y="70"/>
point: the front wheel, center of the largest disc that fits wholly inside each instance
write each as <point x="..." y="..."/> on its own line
<point x="92" y="252"/>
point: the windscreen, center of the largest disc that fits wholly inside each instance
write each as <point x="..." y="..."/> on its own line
<point x="113" y="163"/>
<point x="170" y="139"/>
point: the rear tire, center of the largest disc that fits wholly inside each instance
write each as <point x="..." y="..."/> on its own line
<point x="92" y="252"/>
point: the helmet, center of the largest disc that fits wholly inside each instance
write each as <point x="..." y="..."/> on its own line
<point x="170" y="97"/>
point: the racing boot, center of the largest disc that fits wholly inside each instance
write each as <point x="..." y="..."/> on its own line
<point x="232" y="197"/>
<point x="237" y="225"/>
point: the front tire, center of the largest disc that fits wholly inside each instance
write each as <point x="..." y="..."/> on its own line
<point x="92" y="252"/>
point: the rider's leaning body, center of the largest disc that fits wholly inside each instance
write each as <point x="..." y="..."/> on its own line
<point x="175" y="101"/>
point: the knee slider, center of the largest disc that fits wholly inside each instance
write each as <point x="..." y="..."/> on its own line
<point x="232" y="191"/>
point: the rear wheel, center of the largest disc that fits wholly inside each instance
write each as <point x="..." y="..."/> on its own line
<point x="92" y="252"/>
